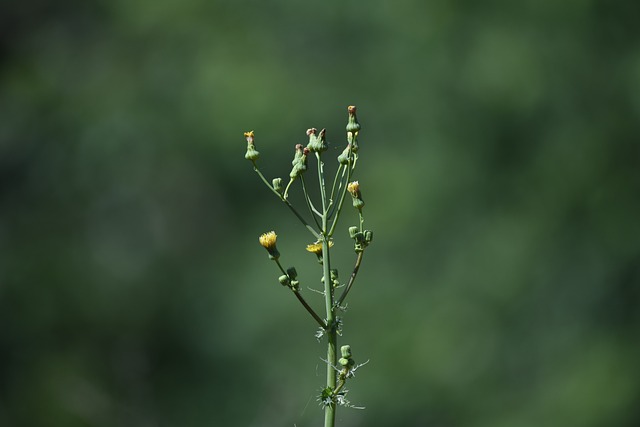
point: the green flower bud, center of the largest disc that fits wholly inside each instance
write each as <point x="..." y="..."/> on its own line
<point x="317" y="143"/>
<point x="346" y="362"/>
<point x="295" y="285"/>
<point x="299" y="162"/>
<point x="345" y="350"/>
<point x="353" y="125"/>
<point x="343" y="158"/>
<point x="353" y="231"/>
<point x="368" y="236"/>
<point x="251" y="154"/>
<point x="284" y="280"/>
<point x="292" y="273"/>
<point x="277" y="185"/>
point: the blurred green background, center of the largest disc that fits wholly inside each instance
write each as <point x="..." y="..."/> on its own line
<point x="499" y="163"/>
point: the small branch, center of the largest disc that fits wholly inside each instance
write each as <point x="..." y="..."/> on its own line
<point x="351" y="279"/>
<point x="286" y="202"/>
<point x="312" y="209"/>
<point x="321" y="322"/>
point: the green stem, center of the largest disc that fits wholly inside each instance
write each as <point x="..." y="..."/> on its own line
<point x="302" y="300"/>
<point x="312" y="209"/>
<point x="310" y="310"/>
<point x="352" y="279"/>
<point x="342" y="197"/>
<point x="330" y="409"/>
<point x="333" y="187"/>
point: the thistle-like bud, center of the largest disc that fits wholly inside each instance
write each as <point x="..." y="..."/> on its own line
<point x="268" y="241"/>
<point x="353" y="125"/>
<point x="317" y="143"/>
<point x="251" y="154"/>
<point x="343" y="158"/>
<point x="353" y="231"/>
<point x="354" y="189"/>
<point x="299" y="161"/>
<point x="277" y="185"/>
<point x="292" y="273"/>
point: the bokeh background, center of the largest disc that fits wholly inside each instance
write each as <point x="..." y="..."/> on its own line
<point x="499" y="163"/>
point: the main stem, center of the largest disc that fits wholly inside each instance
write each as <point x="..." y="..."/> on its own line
<point x="330" y="409"/>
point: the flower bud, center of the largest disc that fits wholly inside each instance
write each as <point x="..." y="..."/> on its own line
<point x="354" y="190"/>
<point x="317" y="143"/>
<point x="299" y="161"/>
<point x="368" y="236"/>
<point x="353" y="231"/>
<point x="251" y="154"/>
<point x="277" y="184"/>
<point x="292" y="273"/>
<point x="284" y="280"/>
<point x="268" y="241"/>
<point x="343" y="158"/>
<point x="345" y="350"/>
<point x="353" y="125"/>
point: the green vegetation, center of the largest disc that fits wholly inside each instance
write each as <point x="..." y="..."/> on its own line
<point x="501" y="175"/>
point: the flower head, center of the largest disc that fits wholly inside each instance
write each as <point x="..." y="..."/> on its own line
<point x="353" y="188"/>
<point x="353" y="125"/>
<point x="268" y="241"/>
<point x="251" y="154"/>
<point x="356" y="196"/>
<point x="316" y="247"/>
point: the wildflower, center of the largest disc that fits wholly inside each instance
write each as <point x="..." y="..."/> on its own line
<point x="317" y="143"/>
<point x="299" y="161"/>
<point x="268" y="241"/>
<point x="252" y="154"/>
<point x="354" y="189"/>
<point x="353" y="127"/>
<point x="316" y="247"/>
<point x="343" y="158"/>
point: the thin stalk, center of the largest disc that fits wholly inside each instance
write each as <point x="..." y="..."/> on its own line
<point x="312" y="209"/>
<point x="302" y="300"/>
<point x="342" y="196"/>
<point x="310" y="310"/>
<point x="352" y="279"/>
<point x="286" y="202"/>
<point x="333" y="187"/>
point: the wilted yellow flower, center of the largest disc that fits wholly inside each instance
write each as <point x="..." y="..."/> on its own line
<point x="316" y="248"/>
<point x="354" y="188"/>
<point x="249" y="135"/>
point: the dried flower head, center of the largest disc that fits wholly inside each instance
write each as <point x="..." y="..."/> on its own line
<point x="249" y="135"/>
<point x="354" y="188"/>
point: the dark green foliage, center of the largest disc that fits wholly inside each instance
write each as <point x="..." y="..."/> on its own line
<point x="502" y="179"/>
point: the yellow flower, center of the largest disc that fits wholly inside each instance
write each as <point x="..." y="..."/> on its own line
<point x="316" y="248"/>
<point x="249" y="134"/>
<point x="268" y="240"/>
